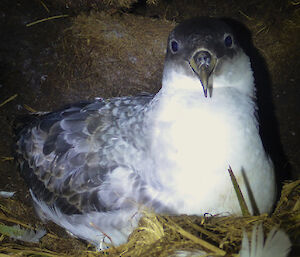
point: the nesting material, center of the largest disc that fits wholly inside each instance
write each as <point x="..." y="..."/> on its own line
<point x="126" y="3"/>
<point x="159" y="235"/>
<point x="96" y="4"/>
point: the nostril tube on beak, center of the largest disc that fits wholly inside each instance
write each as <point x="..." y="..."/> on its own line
<point x="202" y="58"/>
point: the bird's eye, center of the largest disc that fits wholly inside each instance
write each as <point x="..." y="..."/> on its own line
<point x="228" y="41"/>
<point x="174" y="45"/>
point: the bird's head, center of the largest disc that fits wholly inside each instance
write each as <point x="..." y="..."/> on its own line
<point x="205" y="50"/>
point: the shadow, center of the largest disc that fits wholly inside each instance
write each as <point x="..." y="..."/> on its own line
<point x="268" y="125"/>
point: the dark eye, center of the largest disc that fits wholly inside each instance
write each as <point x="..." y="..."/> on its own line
<point x="228" y="41"/>
<point x="174" y="45"/>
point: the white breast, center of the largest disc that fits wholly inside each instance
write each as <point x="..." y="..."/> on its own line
<point x="195" y="139"/>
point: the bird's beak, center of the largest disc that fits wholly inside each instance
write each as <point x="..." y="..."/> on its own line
<point x="203" y="63"/>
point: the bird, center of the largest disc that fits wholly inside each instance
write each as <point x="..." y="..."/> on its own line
<point x="94" y="167"/>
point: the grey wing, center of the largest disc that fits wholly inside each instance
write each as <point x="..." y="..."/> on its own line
<point x="60" y="158"/>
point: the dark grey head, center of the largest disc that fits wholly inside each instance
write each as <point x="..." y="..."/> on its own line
<point x="203" y="43"/>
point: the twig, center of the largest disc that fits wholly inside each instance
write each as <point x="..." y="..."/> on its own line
<point x="195" y="239"/>
<point x="241" y="199"/>
<point x="47" y="19"/>
<point x="8" y="100"/>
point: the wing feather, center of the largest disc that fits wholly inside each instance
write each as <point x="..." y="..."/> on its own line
<point x="65" y="156"/>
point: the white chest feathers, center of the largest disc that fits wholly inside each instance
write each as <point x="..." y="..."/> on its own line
<point x="195" y="139"/>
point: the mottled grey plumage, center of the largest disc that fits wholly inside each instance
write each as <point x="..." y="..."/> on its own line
<point x="92" y="168"/>
<point x="61" y="150"/>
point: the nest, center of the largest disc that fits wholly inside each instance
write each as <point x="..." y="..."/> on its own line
<point x="158" y="235"/>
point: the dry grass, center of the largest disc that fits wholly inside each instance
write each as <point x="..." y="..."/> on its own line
<point x="161" y="235"/>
